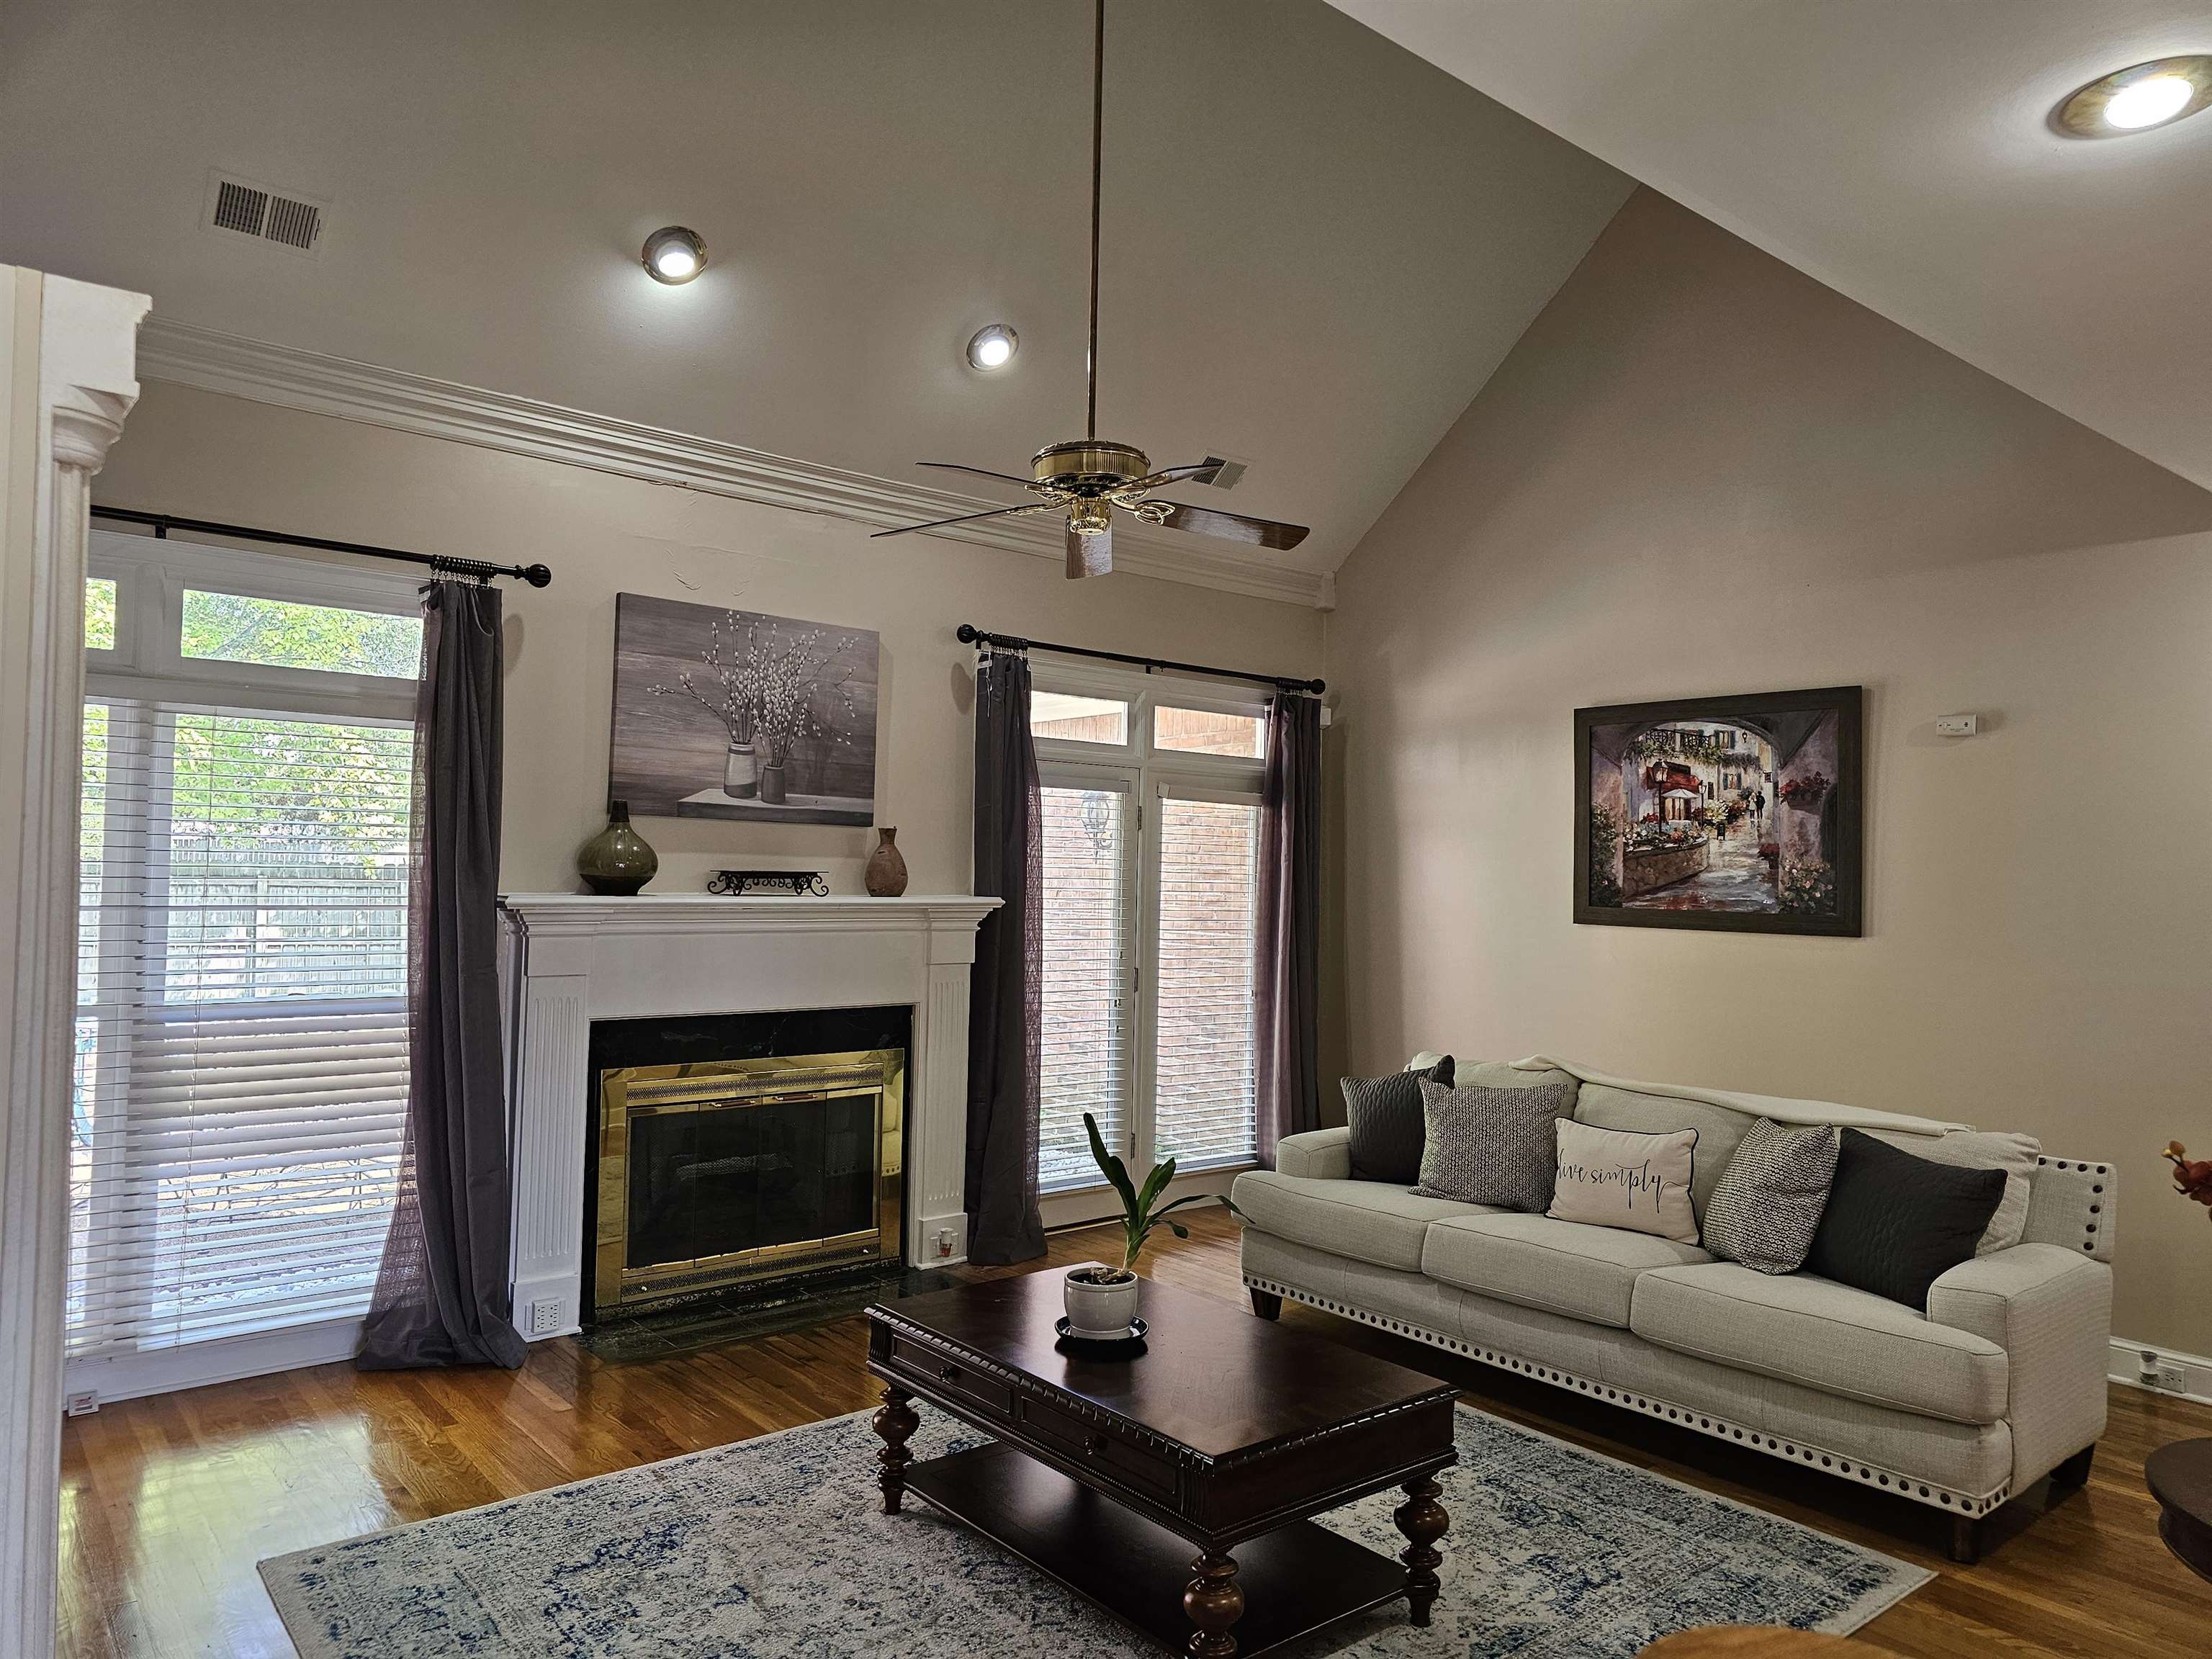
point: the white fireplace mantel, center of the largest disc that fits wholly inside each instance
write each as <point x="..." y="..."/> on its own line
<point x="571" y="958"/>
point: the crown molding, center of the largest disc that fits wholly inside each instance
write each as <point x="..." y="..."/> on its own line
<point x="290" y="377"/>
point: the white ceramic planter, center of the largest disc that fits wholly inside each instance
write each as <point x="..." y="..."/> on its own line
<point x="1099" y="1312"/>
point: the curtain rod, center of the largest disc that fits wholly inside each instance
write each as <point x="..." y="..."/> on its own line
<point x="969" y="634"/>
<point x="536" y="575"/>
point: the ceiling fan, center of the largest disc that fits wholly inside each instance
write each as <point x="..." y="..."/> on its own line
<point x="1086" y="479"/>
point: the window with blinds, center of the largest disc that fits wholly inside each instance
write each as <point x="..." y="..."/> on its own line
<point x="241" y="1019"/>
<point x="1204" y="1082"/>
<point x="1087" y="1026"/>
<point x="241" y="1030"/>
<point x="1151" y="896"/>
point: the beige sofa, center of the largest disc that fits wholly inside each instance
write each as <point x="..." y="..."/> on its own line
<point x="2002" y="1382"/>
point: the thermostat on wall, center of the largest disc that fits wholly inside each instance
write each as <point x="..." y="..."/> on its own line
<point x="1958" y="726"/>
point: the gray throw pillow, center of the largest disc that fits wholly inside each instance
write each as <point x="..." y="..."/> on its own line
<point x="1492" y="1145"/>
<point x="1767" y="1207"/>
<point x="1384" y="1117"/>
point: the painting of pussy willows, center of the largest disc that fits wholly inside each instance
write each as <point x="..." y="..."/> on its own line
<point x="724" y="714"/>
<point x="1740" y="813"/>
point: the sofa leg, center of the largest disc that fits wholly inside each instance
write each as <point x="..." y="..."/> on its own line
<point x="2075" y="1471"/>
<point x="1966" y="1541"/>
<point x="1266" y="1304"/>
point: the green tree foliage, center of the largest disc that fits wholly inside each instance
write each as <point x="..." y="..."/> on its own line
<point x="239" y="627"/>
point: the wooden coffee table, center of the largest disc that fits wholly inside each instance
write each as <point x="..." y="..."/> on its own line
<point x="1225" y="1435"/>
<point x="2180" y="1477"/>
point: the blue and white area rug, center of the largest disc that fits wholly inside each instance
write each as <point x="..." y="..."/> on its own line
<point x="777" y="1548"/>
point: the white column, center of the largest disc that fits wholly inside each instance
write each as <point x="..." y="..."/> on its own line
<point x="66" y="373"/>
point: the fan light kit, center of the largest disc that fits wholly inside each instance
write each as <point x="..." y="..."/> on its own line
<point x="674" y="255"/>
<point x="993" y="347"/>
<point x="1086" y="479"/>
<point x="2136" y="99"/>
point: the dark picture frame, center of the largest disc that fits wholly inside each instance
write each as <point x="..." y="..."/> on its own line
<point x="1727" y="814"/>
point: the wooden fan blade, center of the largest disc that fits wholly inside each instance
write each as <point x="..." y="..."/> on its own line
<point x="982" y="472"/>
<point x="1233" y="526"/>
<point x="1172" y="475"/>
<point x="1088" y="556"/>
<point x="965" y="518"/>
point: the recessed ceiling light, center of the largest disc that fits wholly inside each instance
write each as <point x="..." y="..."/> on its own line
<point x="2137" y="98"/>
<point x="993" y="347"/>
<point x="673" y="254"/>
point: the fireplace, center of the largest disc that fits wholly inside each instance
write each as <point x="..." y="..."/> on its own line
<point x="734" y="1151"/>
<point x="597" y="983"/>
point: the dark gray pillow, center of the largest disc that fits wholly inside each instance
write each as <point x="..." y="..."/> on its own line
<point x="1895" y="1224"/>
<point x="1384" y="1117"/>
<point x="1492" y="1145"/>
<point x="1767" y="1204"/>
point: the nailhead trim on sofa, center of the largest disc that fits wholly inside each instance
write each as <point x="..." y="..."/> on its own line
<point x="1973" y="1505"/>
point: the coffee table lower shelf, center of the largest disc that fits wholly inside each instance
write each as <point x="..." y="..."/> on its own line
<point x="1295" y="1579"/>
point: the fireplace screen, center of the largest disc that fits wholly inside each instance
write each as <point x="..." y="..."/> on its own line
<point x="717" y="1173"/>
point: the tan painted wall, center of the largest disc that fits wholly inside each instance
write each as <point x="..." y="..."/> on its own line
<point x="203" y="456"/>
<point x="1700" y="471"/>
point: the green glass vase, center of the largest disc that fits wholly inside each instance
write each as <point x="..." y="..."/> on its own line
<point x="618" y="860"/>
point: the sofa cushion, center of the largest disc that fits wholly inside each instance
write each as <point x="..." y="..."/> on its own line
<point x="1810" y="1330"/>
<point x="1367" y="1220"/>
<point x="1981" y="1149"/>
<point x="1720" y="1128"/>
<point x="1894" y="1222"/>
<point x="1384" y="1117"/>
<point x="1619" y="1178"/>
<point x="1563" y="1267"/>
<point x="1491" y="1146"/>
<point x="1768" y="1205"/>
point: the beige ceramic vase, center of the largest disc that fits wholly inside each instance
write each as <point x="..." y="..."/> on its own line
<point x="886" y="874"/>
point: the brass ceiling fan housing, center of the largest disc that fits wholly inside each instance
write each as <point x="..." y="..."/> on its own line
<point x="1090" y="478"/>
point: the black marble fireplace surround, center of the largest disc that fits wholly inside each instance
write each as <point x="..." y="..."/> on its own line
<point x="735" y="1207"/>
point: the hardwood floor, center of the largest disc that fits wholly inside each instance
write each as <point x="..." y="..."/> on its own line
<point x="167" y="1503"/>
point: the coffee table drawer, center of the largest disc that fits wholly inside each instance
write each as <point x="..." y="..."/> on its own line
<point x="950" y="1376"/>
<point x="1136" y="1467"/>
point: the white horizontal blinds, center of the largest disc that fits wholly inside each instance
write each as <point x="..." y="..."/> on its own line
<point x="242" y="1020"/>
<point x="1087" y="1024"/>
<point x="1204" y="1078"/>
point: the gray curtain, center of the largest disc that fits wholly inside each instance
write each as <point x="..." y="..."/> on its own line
<point x="1287" y="983"/>
<point x="441" y="1294"/>
<point x="1006" y="1018"/>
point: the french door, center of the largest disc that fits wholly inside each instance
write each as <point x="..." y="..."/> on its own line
<point x="1149" y="907"/>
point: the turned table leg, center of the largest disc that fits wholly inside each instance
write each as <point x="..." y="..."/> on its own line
<point x="1423" y="1520"/>
<point x="895" y="1420"/>
<point x="1214" y="1602"/>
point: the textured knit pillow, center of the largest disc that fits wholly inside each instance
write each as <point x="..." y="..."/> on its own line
<point x="1895" y="1224"/>
<point x="1491" y="1146"/>
<point x="1384" y="1117"/>
<point x="1768" y="1206"/>
<point x="1620" y="1178"/>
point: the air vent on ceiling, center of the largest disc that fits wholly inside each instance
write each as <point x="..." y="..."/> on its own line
<point x="245" y="208"/>
<point x="1221" y="473"/>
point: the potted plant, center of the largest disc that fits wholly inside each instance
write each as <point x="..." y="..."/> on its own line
<point x="1102" y="1299"/>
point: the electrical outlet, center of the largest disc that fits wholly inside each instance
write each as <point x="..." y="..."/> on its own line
<point x="545" y="1315"/>
<point x="83" y="1403"/>
<point x="2172" y="1376"/>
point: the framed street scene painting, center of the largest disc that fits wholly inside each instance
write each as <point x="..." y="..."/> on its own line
<point x="733" y="715"/>
<point x="1736" y="812"/>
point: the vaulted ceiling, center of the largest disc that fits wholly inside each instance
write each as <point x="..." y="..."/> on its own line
<point x="1317" y="246"/>
<point x="1899" y="151"/>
